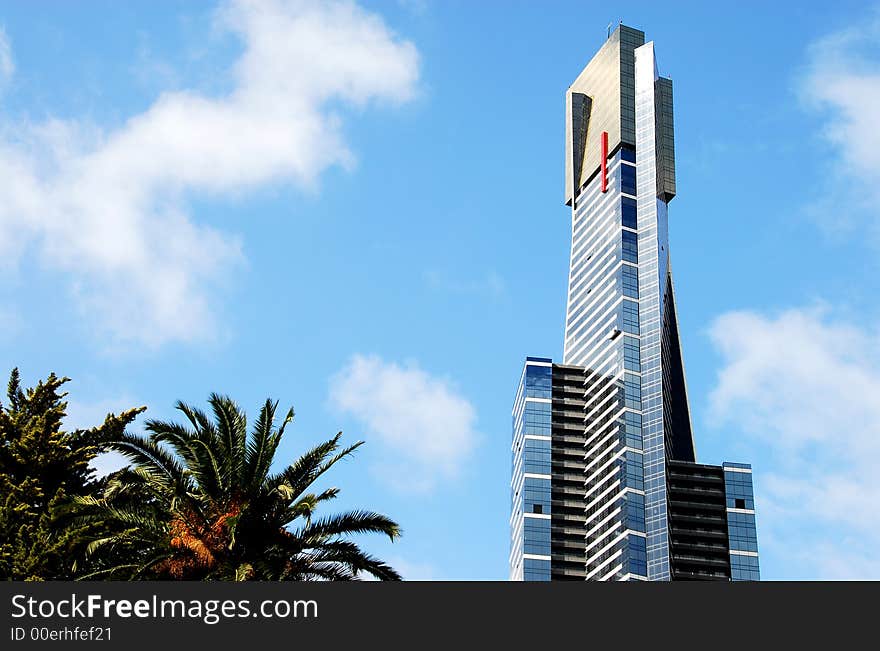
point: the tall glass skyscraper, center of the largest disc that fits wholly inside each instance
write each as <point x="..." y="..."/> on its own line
<point x="605" y="484"/>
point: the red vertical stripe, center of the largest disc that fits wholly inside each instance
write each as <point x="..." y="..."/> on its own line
<point x="604" y="161"/>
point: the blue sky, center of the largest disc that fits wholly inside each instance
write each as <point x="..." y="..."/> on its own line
<point x="340" y="205"/>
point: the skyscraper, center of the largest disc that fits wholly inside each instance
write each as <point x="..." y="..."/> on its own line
<point x="605" y="484"/>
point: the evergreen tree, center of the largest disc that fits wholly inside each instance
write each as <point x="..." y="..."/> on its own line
<point x="42" y="467"/>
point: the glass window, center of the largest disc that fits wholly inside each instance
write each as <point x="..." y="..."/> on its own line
<point x="744" y="568"/>
<point x="630" y="247"/>
<point x="628" y="154"/>
<point x="630" y="277"/>
<point x="633" y="470"/>
<point x="631" y="354"/>
<point x="536" y="536"/>
<point x="539" y="381"/>
<point x="741" y="531"/>
<point x="635" y="511"/>
<point x="630" y="317"/>
<point x="629" y="218"/>
<point x="536" y="570"/>
<point x="628" y="179"/>
<point x="537" y="418"/>
<point x="632" y="388"/>
<point x="536" y="492"/>
<point x="637" y="555"/>
<point x="738" y="486"/>
<point x="633" y="425"/>
<point x="536" y="457"/>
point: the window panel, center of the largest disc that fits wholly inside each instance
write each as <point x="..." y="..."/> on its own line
<point x="630" y="276"/>
<point x="637" y="555"/>
<point x="635" y="511"/>
<point x="539" y="381"/>
<point x="536" y="492"/>
<point x="632" y="391"/>
<point x="631" y="355"/>
<point x="633" y="425"/>
<point x="536" y="570"/>
<point x="536" y="536"/>
<point x="537" y="419"/>
<point x="628" y="179"/>
<point x="630" y="314"/>
<point x="628" y="213"/>
<point x="630" y="247"/>
<point x="536" y="457"/>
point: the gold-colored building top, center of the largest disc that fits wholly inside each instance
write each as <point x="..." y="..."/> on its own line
<point x="602" y="98"/>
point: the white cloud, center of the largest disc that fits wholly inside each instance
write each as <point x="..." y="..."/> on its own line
<point x="842" y="81"/>
<point x="7" y="67"/>
<point x="424" y="424"/>
<point x="108" y="208"/>
<point x="805" y="387"/>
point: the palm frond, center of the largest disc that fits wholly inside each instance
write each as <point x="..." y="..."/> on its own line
<point x="263" y="444"/>
<point x="208" y="471"/>
<point x="232" y="427"/>
<point x="351" y="522"/>
<point x="202" y="425"/>
<point x="303" y="473"/>
<point x="146" y="452"/>
<point x="348" y="553"/>
<point x="179" y="437"/>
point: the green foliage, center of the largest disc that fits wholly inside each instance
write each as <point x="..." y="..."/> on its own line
<point x="199" y="501"/>
<point x="43" y="467"/>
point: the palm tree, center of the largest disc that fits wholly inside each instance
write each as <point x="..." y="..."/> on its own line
<point x="199" y="501"/>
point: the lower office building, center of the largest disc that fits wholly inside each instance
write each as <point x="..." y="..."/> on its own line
<point x="710" y="509"/>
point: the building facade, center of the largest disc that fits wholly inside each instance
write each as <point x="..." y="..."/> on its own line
<point x="605" y="484"/>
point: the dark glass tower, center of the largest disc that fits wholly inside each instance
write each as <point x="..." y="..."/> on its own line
<point x="605" y="482"/>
